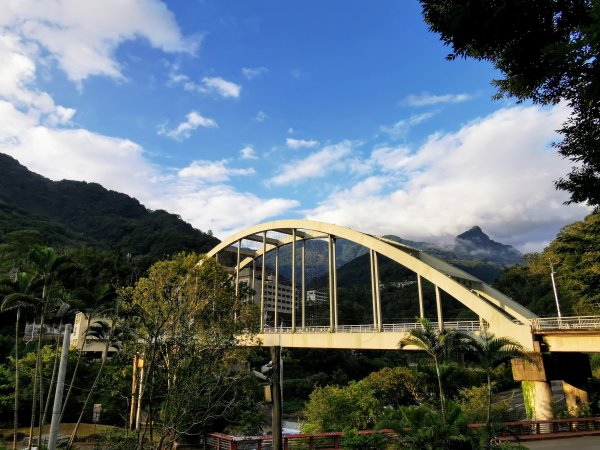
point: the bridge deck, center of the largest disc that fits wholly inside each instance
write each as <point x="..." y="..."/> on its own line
<point x="566" y="334"/>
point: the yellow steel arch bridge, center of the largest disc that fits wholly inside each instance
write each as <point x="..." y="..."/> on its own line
<point x="497" y="313"/>
<point x="557" y="342"/>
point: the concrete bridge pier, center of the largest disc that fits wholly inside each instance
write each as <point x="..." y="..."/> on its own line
<point x="572" y="368"/>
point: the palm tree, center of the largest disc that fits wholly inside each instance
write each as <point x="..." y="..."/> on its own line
<point x="439" y="344"/>
<point x="487" y="352"/>
<point x="47" y="266"/>
<point x="100" y="302"/>
<point x="19" y="285"/>
<point x="111" y="336"/>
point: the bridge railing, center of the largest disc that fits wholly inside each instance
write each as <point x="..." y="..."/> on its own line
<point x="565" y="323"/>
<point x="462" y="325"/>
<point x="511" y="431"/>
<point x="547" y="429"/>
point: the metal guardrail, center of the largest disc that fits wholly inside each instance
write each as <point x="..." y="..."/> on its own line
<point x="547" y="429"/>
<point x="515" y="431"/>
<point x="566" y="323"/>
<point x="462" y="325"/>
<point x="218" y="441"/>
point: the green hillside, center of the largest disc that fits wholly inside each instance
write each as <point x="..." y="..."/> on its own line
<point x="74" y="214"/>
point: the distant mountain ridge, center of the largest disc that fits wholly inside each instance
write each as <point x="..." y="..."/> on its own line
<point x="473" y="251"/>
<point x="476" y="243"/>
<point x="75" y="213"/>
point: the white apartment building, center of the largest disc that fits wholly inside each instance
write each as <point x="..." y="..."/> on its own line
<point x="92" y="344"/>
<point x="317" y="296"/>
<point x="284" y="295"/>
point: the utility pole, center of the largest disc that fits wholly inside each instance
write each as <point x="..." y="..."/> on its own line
<point x="552" y="273"/>
<point x="276" y="398"/>
<point x="60" y="385"/>
<point x="134" y="388"/>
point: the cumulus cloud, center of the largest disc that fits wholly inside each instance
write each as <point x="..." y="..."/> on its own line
<point x="82" y="36"/>
<point x="427" y="99"/>
<point x="184" y="129"/>
<point x="296" y="144"/>
<point x="208" y="85"/>
<point x="400" y="128"/>
<point x="496" y="172"/>
<point x="221" y="87"/>
<point x="316" y="165"/>
<point x="122" y="165"/>
<point x="17" y="79"/>
<point x="223" y="209"/>
<point x="248" y="153"/>
<point x="261" y="116"/>
<point x="254" y="72"/>
<point x="212" y="171"/>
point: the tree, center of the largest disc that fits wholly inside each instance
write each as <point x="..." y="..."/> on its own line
<point x="574" y="254"/>
<point x="47" y="266"/>
<point x="438" y="344"/>
<point x="424" y="428"/>
<point x="110" y="335"/>
<point x="473" y="402"/>
<point x="193" y="369"/>
<point x="488" y="352"/>
<point x="20" y="286"/>
<point x="334" y="408"/>
<point x="98" y="302"/>
<point x="397" y="386"/>
<point x="547" y="51"/>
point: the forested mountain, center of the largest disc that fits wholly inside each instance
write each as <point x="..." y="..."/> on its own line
<point x="74" y="214"/>
<point x="473" y="251"/>
<point x="575" y="256"/>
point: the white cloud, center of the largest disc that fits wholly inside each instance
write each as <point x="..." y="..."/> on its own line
<point x="253" y="72"/>
<point x="17" y="78"/>
<point x="121" y="165"/>
<point x="184" y="129"/>
<point x="223" y="209"/>
<point x="76" y="154"/>
<point x="248" y="152"/>
<point x="400" y="128"/>
<point x="427" y="99"/>
<point x="83" y="36"/>
<point x="496" y="172"/>
<point x="296" y="144"/>
<point x="208" y="85"/>
<point x="316" y="165"/>
<point x="212" y="171"/>
<point x="261" y="116"/>
<point x="221" y="87"/>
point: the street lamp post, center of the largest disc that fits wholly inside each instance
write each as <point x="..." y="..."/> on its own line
<point x="552" y="273"/>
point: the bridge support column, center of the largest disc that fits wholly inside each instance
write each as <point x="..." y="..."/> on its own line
<point x="572" y="368"/>
<point x="575" y="398"/>
<point x="538" y="401"/>
<point x="537" y="392"/>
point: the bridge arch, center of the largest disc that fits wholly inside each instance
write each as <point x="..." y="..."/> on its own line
<point x="501" y="314"/>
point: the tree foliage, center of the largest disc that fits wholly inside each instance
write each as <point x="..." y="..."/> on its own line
<point x="334" y="408"/>
<point x="547" y="51"/>
<point x="576" y="260"/>
<point x="187" y="318"/>
<point x="439" y="344"/>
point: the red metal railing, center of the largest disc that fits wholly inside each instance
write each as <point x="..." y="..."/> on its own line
<point x="526" y="430"/>
<point x="218" y="441"/>
<point x="547" y="429"/>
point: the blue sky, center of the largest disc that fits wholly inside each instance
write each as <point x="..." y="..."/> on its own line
<point x="232" y="113"/>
